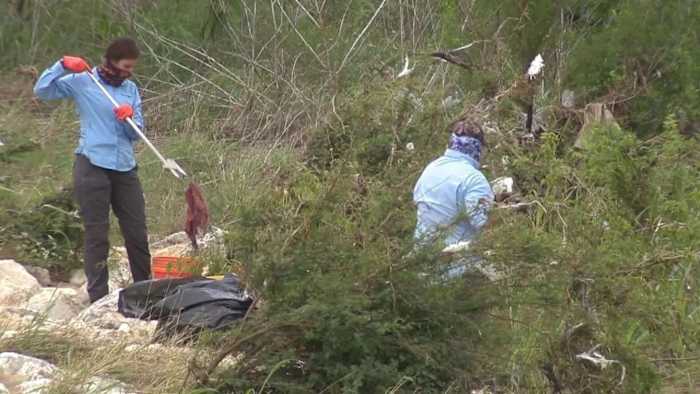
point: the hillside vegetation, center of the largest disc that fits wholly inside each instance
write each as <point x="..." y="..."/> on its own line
<point x="307" y="146"/>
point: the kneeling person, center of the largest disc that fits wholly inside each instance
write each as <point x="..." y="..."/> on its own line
<point x="452" y="196"/>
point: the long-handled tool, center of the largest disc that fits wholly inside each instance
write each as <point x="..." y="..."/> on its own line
<point x="197" y="210"/>
<point x="169" y="164"/>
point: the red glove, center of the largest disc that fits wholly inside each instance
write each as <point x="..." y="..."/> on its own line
<point x="124" y="111"/>
<point x="75" y="64"/>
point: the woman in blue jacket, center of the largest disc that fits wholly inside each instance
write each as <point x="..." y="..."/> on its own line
<point x="105" y="171"/>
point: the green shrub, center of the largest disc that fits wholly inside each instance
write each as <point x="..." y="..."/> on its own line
<point x="51" y="233"/>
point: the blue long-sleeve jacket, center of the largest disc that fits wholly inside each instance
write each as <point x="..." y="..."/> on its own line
<point x="104" y="140"/>
<point x="452" y="198"/>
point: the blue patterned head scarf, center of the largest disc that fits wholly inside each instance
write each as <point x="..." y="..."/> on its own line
<point x="467" y="138"/>
<point x="470" y="146"/>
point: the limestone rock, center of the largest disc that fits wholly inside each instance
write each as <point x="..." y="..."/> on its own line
<point x="41" y="274"/>
<point x="24" y="374"/>
<point x="120" y="251"/>
<point x="35" y="386"/>
<point x="59" y="304"/>
<point x="103" y="313"/>
<point x="16" y="284"/>
<point x="14" y="318"/>
<point x="77" y="277"/>
<point x="103" y="321"/>
<point x="173" y="250"/>
<point x="172" y="239"/>
<point x="119" y="274"/>
<point x="179" y="244"/>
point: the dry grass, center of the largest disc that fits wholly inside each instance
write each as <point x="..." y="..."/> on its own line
<point x="148" y="368"/>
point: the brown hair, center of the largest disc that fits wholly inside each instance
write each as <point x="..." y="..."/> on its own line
<point x="122" y="48"/>
<point x="469" y="127"/>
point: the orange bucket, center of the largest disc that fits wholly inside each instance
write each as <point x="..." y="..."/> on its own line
<point x="174" y="267"/>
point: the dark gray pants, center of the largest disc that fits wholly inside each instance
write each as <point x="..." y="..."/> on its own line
<point x="96" y="189"/>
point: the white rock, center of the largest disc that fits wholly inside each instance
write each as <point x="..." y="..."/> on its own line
<point x="502" y="185"/>
<point x="179" y="244"/>
<point x="119" y="274"/>
<point x="59" y="304"/>
<point x="41" y="274"/>
<point x="120" y="250"/>
<point x="17" y="312"/>
<point x="13" y="317"/>
<point x="77" y="277"/>
<point x="104" y="322"/>
<point x="103" y="313"/>
<point x="16" y="284"/>
<point x="21" y="373"/>
<point x="172" y="239"/>
<point x="35" y="386"/>
<point x="177" y="250"/>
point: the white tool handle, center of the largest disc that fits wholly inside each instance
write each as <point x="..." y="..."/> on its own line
<point x="133" y="125"/>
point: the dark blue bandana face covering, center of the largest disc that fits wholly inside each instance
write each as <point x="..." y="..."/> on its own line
<point x="470" y="146"/>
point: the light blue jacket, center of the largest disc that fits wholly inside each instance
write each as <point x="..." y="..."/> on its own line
<point x="448" y="196"/>
<point x="104" y="140"/>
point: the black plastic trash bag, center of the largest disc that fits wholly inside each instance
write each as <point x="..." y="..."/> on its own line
<point x="186" y="305"/>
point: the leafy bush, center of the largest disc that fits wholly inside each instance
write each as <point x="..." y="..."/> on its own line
<point x="641" y="54"/>
<point x="51" y="232"/>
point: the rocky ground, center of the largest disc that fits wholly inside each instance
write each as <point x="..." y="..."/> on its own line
<point x="31" y="302"/>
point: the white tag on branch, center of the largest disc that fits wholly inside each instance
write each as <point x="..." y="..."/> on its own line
<point x="405" y="70"/>
<point x="535" y="67"/>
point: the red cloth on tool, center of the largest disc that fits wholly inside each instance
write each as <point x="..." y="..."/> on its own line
<point x="75" y="64"/>
<point x="124" y="111"/>
<point x="197" y="213"/>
